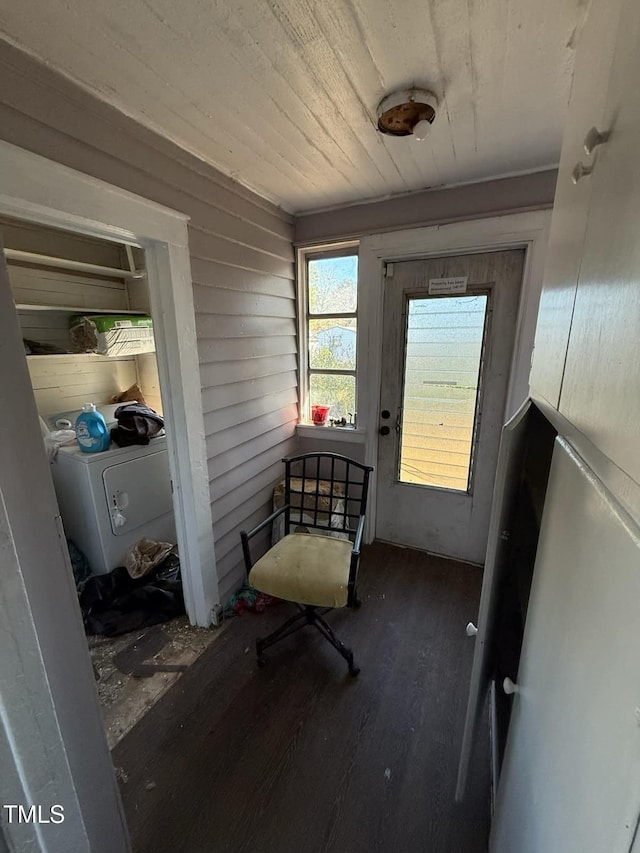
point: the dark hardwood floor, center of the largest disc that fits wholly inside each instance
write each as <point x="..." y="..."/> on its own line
<point x="300" y="758"/>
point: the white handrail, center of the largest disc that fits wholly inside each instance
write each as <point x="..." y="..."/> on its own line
<point x="67" y="263"/>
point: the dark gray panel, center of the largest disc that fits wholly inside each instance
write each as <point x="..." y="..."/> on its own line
<point x="431" y="207"/>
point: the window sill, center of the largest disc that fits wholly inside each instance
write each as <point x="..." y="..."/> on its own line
<point x="327" y="433"/>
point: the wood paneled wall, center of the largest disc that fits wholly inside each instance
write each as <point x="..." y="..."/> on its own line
<point x="63" y="383"/>
<point x="242" y="267"/>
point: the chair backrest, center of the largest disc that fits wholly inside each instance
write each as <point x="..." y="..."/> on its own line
<point x="325" y="492"/>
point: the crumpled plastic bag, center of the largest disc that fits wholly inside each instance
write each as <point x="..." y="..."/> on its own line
<point x="58" y="438"/>
<point x="144" y="556"/>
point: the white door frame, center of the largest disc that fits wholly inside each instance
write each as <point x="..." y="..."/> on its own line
<point x="38" y="190"/>
<point x="528" y="230"/>
<point x="53" y="747"/>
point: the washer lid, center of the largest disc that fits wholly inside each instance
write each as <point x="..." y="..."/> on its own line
<point x="66" y="420"/>
<point x="114" y="454"/>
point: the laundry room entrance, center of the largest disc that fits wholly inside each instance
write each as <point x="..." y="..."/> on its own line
<point x="88" y="339"/>
<point x="84" y="311"/>
<point x="55" y="700"/>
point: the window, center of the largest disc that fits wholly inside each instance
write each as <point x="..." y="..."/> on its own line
<point x="442" y="371"/>
<point x="329" y="335"/>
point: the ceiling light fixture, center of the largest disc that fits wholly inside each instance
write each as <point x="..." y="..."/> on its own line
<point x="407" y="112"/>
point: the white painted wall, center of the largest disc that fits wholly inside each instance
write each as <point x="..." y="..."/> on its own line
<point x="587" y="108"/>
<point x="571" y="773"/>
<point x="601" y="384"/>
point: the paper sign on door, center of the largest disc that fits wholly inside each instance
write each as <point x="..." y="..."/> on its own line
<point x="456" y="284"/>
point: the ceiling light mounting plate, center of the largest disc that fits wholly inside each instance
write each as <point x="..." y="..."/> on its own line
<point x="399" y="112"/>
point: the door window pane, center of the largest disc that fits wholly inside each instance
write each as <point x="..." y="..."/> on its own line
<point x="440" y="389"/>
<point x="339" y="392"/>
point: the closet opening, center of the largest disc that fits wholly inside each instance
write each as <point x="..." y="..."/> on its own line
<point x="84" y="309"/>
<point x="514" y="584"/>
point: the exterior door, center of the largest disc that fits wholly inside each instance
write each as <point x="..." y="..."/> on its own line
<point x="449" y="330"/>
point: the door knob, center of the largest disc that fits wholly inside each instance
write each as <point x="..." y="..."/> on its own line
<point x="594" y="138"/>
<point x="510" y="687"/>
<point x="385" y="414"/>
<point x="580" y="171"/>
<point x="385" y="430"/>
<point x="471" y="629"/>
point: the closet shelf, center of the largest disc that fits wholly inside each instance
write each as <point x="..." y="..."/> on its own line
<point x="91" y="355"/>
<point x="74" y="309"/>
<point x="78" y="266"/>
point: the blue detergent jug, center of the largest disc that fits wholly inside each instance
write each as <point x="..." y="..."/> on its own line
<point x="91" y="430"/>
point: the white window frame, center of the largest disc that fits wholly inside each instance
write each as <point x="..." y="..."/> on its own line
<point x="304" y="255"/>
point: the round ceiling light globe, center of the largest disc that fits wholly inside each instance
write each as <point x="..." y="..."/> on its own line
<point x="422" y="130"/>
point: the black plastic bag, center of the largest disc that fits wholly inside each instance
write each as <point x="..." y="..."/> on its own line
<point x="115" y="603"/>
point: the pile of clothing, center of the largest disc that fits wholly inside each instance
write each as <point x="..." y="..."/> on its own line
<point x="248" y="599"/>
<point x="137" y="424"/>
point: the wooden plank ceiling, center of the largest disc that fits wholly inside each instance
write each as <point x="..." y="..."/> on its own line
<point x="282" y="94"/>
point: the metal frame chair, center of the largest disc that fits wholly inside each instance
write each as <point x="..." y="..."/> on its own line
<point x="324" y="492"/>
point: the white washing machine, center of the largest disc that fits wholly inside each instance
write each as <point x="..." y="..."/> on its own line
<point x="110" y="500"/>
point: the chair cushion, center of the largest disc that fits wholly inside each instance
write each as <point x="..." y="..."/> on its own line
<point x="307" y="568"/>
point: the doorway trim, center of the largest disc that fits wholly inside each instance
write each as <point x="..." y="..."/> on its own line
<point x="41" y="191"/>
<point x="528" y="230"/>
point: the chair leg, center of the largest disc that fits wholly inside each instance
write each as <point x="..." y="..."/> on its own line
<point x="299" y="620"/>
<point x="327" y="632"/>
<point x="307" y="615"/>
